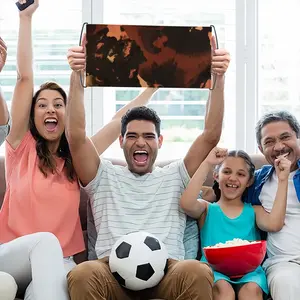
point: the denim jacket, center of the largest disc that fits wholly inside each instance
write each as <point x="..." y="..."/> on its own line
<point x="261" y="176"/>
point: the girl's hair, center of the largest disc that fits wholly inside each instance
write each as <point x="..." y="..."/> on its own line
<point x="235" y="153"/>
<point x="46" y="160"/>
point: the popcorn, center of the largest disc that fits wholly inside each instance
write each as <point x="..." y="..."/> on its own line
<point x="234" y="242"/>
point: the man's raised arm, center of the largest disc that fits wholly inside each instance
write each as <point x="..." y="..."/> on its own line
<point x="84" y="149"/>
<point x="214" y="113"/>
<point x="84" y="154"/>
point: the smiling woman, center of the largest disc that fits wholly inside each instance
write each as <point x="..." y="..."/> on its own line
<point x="47" y="126"/>
<point x="42" y="192"/>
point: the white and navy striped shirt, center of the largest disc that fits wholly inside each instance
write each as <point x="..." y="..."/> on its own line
<point x="123" y="202"/>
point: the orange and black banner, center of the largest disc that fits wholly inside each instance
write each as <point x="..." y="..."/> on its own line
<point x="141" y="56"/>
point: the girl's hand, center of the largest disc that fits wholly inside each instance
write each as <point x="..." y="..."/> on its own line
<point x="216" y="156"/>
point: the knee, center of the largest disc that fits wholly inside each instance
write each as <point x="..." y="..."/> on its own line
<point x="47" y="240"/>
<point x="47" y="237"/>
<point x="250" y="289"/>
<point x="8" y="287"/>
<point x="283" y="278"/>
<point x="79" y="273"/>
<point x="195" y="269"/>
<point x="224" y="289"/>
<point x="82" y="274"/>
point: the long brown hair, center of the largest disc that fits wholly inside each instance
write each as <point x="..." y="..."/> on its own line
<point x="46" y="159"/>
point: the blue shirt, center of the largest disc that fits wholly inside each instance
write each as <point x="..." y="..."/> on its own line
<point x="261" y="176"/>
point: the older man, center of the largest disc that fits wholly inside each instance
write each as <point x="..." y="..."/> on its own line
<point x="277" y="134"/>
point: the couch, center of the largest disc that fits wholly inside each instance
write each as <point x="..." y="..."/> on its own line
<point x="258" y="160"/>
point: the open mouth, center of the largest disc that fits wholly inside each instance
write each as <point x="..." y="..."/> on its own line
<point x="232" y="186"/>
<point x="51" y="124"/>
<point x="140" y="157"/>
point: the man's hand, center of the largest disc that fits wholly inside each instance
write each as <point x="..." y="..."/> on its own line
<point x="28" y="12"/>
<point x="3" y="54"/>
<point x="76" y="58"/>
<point x="282" y="167"/>
<point x="220" y="59"/>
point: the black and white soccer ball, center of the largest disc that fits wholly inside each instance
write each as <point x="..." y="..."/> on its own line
<point x="138" y="260"/>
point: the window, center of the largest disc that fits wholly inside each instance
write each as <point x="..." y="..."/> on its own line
<point x="182" y="110"/>
<point x="279" y="56"/>
<point x="263" y="74"/>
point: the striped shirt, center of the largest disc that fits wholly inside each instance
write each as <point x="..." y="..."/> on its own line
<point x="123" y="202"/>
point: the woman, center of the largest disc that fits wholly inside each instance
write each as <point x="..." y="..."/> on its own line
<point x="42" y="192"/>
<point x="33" y="264"/>
<point x="42" y="189"/>
<point x="23" y="258"/>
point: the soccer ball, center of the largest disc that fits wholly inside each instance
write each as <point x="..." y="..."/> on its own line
<point x="138" y="261"/>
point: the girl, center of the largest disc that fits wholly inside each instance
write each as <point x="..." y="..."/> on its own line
<point x="42" y="192"/>
<point x="230" y="218"/>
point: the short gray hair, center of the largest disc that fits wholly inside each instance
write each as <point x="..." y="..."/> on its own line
<point x="276" y="116"/>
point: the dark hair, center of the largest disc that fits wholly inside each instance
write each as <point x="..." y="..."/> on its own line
<point x="276" y="116"/>
<point x="140" y="113"/>
<point x="46" y="159"/>
<point x="234" y="153"/>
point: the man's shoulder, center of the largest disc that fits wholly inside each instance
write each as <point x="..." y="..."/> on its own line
<point x="263" y="171"/>
<point x="108" y="171"/>
<point x="170" y="166"/>
<point x="109" y="165"/>
<point x="170" y="169"/>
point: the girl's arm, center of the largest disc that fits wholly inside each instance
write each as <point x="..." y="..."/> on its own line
<point x="274" y="221"/>
<point x="189" y="200"/>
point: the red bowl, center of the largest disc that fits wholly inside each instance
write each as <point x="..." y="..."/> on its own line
<point x="236" y="261"/>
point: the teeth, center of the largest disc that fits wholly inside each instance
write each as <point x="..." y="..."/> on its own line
<point x="232" y="185"/>
<point x="140" y="152"/>
<point x="50" y="121"/>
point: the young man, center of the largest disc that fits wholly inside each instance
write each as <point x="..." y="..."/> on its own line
<point x="277" y="134"/>
<point x="139" y="197"/>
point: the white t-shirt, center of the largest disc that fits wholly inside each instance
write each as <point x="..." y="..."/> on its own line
<point x="123" y="202"/>
<point x="285" y="244"/>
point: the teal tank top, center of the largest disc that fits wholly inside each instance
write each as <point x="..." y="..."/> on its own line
<point x="218" y="228"/>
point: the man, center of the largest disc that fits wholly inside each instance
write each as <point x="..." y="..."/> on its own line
<point x="139" y="197"/>
<point x="277" y="134"/>
<point x="8" y="286"/>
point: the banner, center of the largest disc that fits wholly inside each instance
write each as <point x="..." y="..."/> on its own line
<point x="155" y="56"/>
